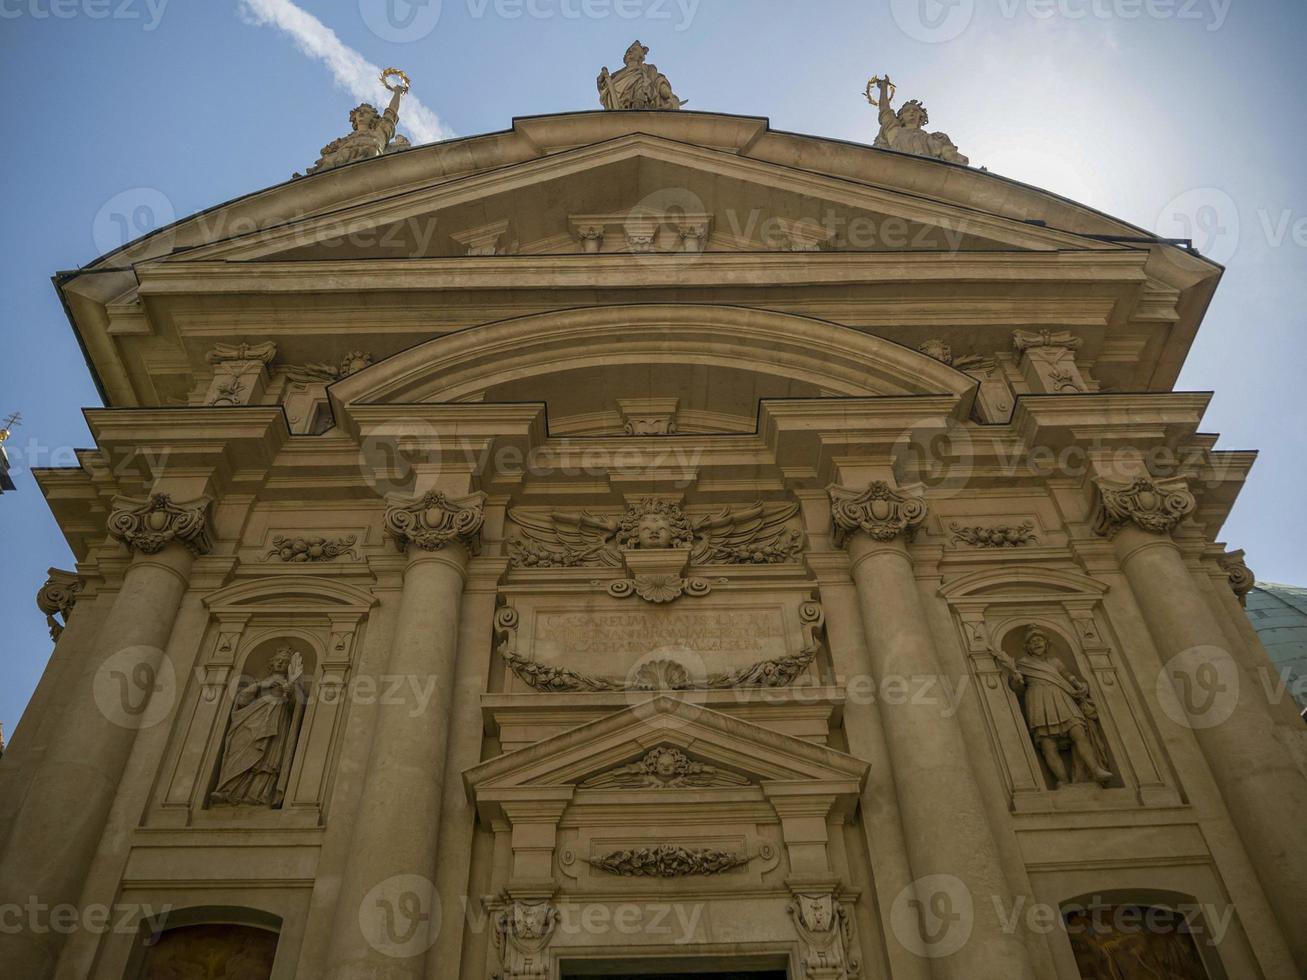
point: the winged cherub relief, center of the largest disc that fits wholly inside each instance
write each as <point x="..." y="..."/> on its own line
<point x="757" y="535"/>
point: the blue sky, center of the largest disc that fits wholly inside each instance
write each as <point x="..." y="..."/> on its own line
<point x="1183" y="116"/>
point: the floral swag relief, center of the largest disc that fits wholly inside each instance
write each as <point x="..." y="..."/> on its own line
<point x="659" y="675"/>
<point x="756" y="535"/>
<point x="665" y="768"/>
<point x="668" y="861"/>
<point x="261" y="735"/>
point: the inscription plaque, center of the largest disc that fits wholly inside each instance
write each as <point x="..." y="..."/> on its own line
<point x="758" y="632"/>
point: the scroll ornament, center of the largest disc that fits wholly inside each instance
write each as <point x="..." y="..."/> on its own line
<point x="1240" y="575"/>
<point x="760" y="534"/>
<point x="878" y="511"/>
<point x="521" y="933"/>
<point x="1156" y="506"/>
<point x="436" y="520"/>
<point x="57" y="597"/>
<point x="147" y="525"/>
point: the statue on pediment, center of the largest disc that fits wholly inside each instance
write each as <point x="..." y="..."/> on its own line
<point x="905" y="130"/>
<point x="372" y="133"/>
<point x="639" y="85"/>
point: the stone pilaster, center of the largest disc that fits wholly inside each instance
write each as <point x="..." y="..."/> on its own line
<point x="951" y="847"/>
<point x="120" y="689"/>
<point x="394" y="857"/>
<point x="240" y="373"/>
<point x="1263" y="788"/>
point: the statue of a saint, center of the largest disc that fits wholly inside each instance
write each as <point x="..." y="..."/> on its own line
<point x="1059" y="711"/>
<point x="638" y="85"/>
<point x="903" y="131"/>
<point x="261" y="735"/>
<point x="372" y="133"/>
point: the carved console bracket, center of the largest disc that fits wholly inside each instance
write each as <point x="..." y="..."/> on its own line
<point x="522" y="931"/>
<point x="57" y="597"/>
<point x="1049" y="362"/>
<point x="825" y="930"/>
<point x="1240" y="575"/>
<point x="240" y="373"/>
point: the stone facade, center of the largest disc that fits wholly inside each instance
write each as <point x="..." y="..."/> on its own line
<point x="659" y="545"/>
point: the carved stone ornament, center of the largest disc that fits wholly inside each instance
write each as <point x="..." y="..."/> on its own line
<point x="659" y="588"/>
<point x="311" y="549"/>
<point x="1156" y="506"/>
<point x="522" y="931"/>
<point x="943" y="353"/>
<point x="57" y="597"/>
<point x="998" y="536"/>
<point x="879" y="511"/>
<point x="148" y="524"/>
<point x="669" y="861"/>
<point x="638" y="85"/>
<point x="659" y="675"/>
<point x="757" y="535"/>
<point x="904" y="130"/>
<point x="826" y="935"/>
<point x="239" y="373"/>
<point x="435" y="520"/>
<point x="1024" y="341"/>
<point x="1241" y="576"/>
<point x="665" y="768"/>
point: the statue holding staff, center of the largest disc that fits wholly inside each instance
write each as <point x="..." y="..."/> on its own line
<point x="904" y="130"/>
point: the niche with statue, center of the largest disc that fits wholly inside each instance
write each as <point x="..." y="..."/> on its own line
<point x="1057" y="706"/>
<point x="268" y="701"/>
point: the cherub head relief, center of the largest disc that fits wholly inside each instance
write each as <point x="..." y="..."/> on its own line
<point x="654" y="524"/>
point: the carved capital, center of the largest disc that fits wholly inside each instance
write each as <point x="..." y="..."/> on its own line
<point x="148" y="524"/>
<point x="1155" y="506"/>
<point x="435" y="520"/>
<point x="826" y="935"/>
<point x="522" y="931"/>
<point x="879" y="511"/>
<point x="1240" y="575"/>
<point x="57" y="597"/>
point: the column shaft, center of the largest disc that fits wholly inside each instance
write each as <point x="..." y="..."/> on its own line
<point x="1263" y="788"/>
<point x="945" y="825"/>
<point x="382" y="915"/>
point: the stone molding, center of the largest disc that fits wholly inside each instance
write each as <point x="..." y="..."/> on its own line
<point x="147" y="524"/>
<point x="435" y="520"/>
<point x="1155" y="506"/>
<point x="879" y="511"/>
<point x="58" y="596"/>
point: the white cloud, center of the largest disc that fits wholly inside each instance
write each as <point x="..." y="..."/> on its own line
<point x="351" y="70"/>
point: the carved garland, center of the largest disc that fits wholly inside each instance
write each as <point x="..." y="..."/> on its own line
<point x="148" y="525"/>
<point x="311" y="549"/>
<point x="999" y="536"/>
<point x="669" y="861"/>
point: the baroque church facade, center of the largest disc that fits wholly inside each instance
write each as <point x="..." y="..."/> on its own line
<point x="643" y="543"/>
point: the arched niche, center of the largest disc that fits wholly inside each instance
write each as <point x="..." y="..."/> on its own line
<point x="206" y="941"/>
<point x="1141" y="932"/>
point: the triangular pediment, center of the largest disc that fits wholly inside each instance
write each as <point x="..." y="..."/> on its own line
<point x="687" y="197"/>
<point x="731" y="753"/>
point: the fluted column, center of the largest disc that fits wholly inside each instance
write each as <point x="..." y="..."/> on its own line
<point x="115" y="693"/>
<point x="385" y="912"/>
<point x="1264" y="790"/>
<point x="951" y="848"/>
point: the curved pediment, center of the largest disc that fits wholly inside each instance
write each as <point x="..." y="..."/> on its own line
<point x="723" y="359"/>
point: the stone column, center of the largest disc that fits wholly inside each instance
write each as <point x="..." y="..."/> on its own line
<point x="1264" y="790"/>
<point x="118" y="690"/>
<point x="951" y="848"/>
<point x="386" y="914"/>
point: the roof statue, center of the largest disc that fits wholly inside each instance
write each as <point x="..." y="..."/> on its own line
<point x="637" y="86"/>
<point x="373" y="133"/>
<point x="903" y="130"/>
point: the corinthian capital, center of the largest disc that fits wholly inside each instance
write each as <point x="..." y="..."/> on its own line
<point x="879" y="511"/>
<point x="1156" y="506"/>
<point x="148" y="524"/>
<point x="435" y="520"/>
